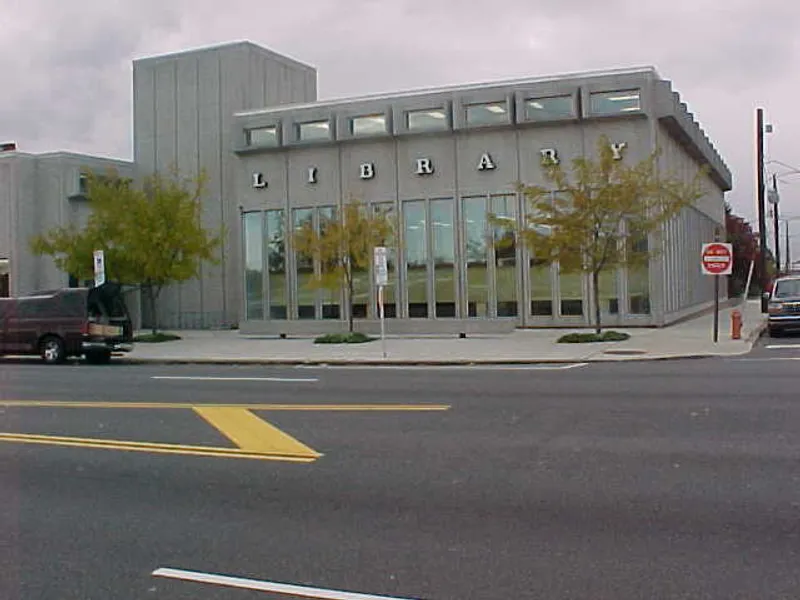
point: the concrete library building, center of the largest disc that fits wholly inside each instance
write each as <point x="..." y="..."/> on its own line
<point x="439" y="161"/>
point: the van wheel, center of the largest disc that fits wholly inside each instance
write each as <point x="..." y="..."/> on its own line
<point x="52" y="350"/>
<point x="98" y="357"/>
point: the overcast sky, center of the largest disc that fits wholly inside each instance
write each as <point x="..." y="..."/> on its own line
<point x="66" y="64"/>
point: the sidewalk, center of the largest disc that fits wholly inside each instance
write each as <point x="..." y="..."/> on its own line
<point x="689" y="339"/>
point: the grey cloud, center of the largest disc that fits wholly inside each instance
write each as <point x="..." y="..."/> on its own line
<point x="68" y="83"/>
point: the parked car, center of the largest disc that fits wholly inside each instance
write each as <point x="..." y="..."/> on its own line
<point x="784" y="305"/>
<point x="63" y="323"/>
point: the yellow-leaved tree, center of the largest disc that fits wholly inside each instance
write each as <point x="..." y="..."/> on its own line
<point x="342" y="247"/>
<point x="151" y="233"/>
<point x="602" y="215"/>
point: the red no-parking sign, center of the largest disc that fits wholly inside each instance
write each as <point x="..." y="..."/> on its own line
<point x="717" y="258"/>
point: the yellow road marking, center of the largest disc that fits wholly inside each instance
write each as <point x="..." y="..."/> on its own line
<point x="255" y="438"/>
<point x="252" y="434"/>
<point x="192" y="406"/>
<point x="208" y="451"/>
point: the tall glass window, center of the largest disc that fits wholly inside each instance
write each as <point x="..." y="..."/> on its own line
<point x="416" y="258"/>
<point x="612" y="103"/>
<point x="361" y="288"/>
<point x="549" y="109"/>
<point x="476" y="256"/>
<point x="254" y="265"/>
<point x="609" y="297"/>
<point x="387" y="211"/>
<point x="540" y="269"/>
<point x="493" y="113"/>
<point x="331" y="307"/>
<point x="505" y="255"/>
<point x="444" y="257"/>
<point x="276" y="264"/>
<point x="304" y="269"/>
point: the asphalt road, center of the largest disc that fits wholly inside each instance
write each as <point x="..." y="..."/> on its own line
<point x="606" y="481"/>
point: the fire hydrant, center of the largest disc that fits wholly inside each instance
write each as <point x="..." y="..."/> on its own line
<point x="736" y="325"/>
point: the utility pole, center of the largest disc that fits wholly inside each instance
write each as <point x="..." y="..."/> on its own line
<point x="786" y="249"/>
<point x="762" y="219"/>
<point x="775" y="201"/>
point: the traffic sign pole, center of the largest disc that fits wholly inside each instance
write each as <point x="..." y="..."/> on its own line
<point x="716" y="260"/>
<point x="381" y="279"/>
<point x="716" y="308"/>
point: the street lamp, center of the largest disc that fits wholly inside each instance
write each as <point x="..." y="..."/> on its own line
<point x="761" y="129"/>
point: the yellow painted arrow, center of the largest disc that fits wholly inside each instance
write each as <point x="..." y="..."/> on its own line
<point x="252" y="434"/>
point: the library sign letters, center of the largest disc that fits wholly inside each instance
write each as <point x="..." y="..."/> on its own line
<point x="425" y="166"/>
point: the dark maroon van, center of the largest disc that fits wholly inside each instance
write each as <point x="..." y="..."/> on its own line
<point x="63" y="323"/>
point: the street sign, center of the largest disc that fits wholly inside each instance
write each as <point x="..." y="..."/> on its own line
<point x="99" y="268"/>
<point x="381" y="268"/>
<point x="717" y="258"/>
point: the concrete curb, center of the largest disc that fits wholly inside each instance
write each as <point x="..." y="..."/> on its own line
<point x="403" y="363"/>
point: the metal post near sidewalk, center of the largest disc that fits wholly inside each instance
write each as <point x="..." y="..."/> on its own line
<point x="716" y="308"/>
<point x="381" y="279"/>
<point x="716" y="259"/>
<point x="383" y="320"/>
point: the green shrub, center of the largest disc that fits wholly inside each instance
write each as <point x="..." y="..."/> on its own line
<point x="588" y="338"/>
<point x="156" y="338"/>
<point x="343" y="338"/>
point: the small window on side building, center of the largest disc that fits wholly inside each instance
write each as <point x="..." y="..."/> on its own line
<point x="549" y="109"/>
<point x="368" y="125"/>
<point x="615" y="103"/>
<point x="434" y="119"/>
<point x="314" y="130"/>
<point x="490" y="113"/>
<point x="262" y="136"/>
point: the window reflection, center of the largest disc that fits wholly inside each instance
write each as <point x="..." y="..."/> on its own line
<point x="426" y="120"/>
<point x="493" y="113"/>
<point x="254" y="270"/>
<point x="330" y="298"/>
<point x="304" y="269"/>
<point x="505" y="250"/>
<point x="476" y="256"/>
<point x="387" y="211"/>
<point x="368" y="125"/>
<point x="548" y="109"/>
<point x="276" y="264"/>
<point x="444" y="257"/>
<point x="262" y="136"/>
<point x="416" y="255"/>
<point x="612" y="103"/>
<point x="314" y="130"/>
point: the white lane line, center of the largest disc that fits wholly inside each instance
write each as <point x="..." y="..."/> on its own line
<point x="782" y="346"/>
<point x="273" y="379"/>
<point x="267" y="586"/>
<point x="475" y="367"/>
<point x="777" y="358"/>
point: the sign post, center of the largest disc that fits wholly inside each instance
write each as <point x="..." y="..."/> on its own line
<point x="381" y="279"/>
<point x="716" y="260"/>
<point x="99" y="268"/>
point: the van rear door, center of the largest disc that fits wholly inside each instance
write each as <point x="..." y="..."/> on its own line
<point x="108" y="315"/>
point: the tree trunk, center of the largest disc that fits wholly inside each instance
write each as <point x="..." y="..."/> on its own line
<point x="595" y="293"/>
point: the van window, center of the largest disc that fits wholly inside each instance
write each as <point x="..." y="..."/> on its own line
<point x="107" y="302"/>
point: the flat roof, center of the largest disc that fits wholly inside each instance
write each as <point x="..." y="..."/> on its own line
<point x="224" y="46"/>
<point x="453" y="88"/>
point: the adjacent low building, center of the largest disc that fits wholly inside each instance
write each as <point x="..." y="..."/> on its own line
<point x="37" y="193"/>
<point x="440" y="160"/>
